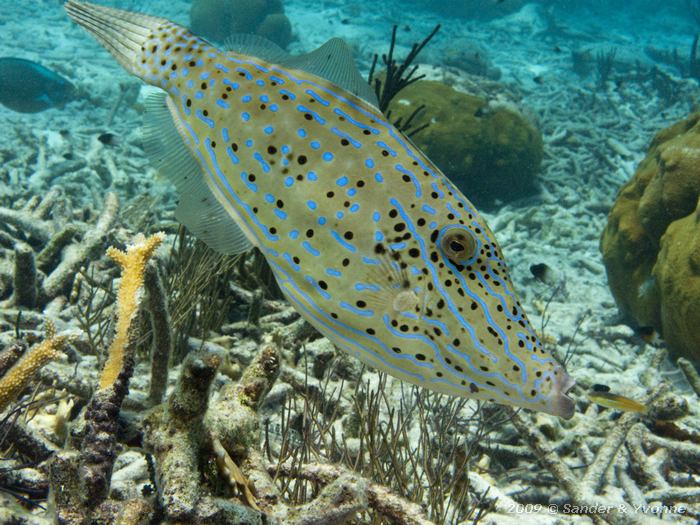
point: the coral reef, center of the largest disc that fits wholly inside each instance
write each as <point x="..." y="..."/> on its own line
<point x="219" y="19"/>
<point x="491" y="153"/>
<point x="17" y="377"/>
<point x="471" y="58"/>
<point x="133" y="264"/>
<point x="650" y="260"/>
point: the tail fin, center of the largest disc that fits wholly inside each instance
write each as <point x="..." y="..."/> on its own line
<point x="126" y="35"/>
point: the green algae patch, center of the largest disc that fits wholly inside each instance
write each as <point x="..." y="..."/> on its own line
<point x="636" y="244"/>
<point x="491" y="154"/>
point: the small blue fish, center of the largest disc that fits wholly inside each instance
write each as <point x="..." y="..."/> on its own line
<point x="28" y="87"/>
<point x="371" y="243"/>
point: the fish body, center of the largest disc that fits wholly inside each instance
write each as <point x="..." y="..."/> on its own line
<point x="369" y="241"/>
<point x="601" y="395"/>
<point x="28" y="87"/>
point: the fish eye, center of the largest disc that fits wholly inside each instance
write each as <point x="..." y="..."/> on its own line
<point x="458" y="243"/>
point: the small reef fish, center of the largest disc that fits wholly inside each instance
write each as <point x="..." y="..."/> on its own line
<point x="544" y="273"/>
<point x="28" y="87"/>
<point x="601" y="395"/>
<point x="109" y="139"/>
<point x="370" y="242"/>
<point x="649" y="335"/>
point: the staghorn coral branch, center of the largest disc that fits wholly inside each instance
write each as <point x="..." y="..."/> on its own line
<point x="19" y="376"/>
<point x="398" y="510"/>
<point x="58" y="282"/>
<point x="24" y="279"/>
<point x="175" y="435"/>
<point x="25" y="221"/>
<point x="99" y="445"/>
<point x="338" y="503"/>
<point x="595" y="473"/>
<point x="10" y="356"/>
<point x="162" y="334"/>
<point x="129" y="297"/>
<point x="86" y="475"/>
<point x="45" y="258"/>
<point x="233" y="418"/>
<point x="691" y="374"/>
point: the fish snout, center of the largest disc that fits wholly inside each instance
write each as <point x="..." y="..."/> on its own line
<point x="562" y="404"/>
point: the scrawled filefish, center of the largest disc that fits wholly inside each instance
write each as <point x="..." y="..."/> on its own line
<point x="368" y="240"/>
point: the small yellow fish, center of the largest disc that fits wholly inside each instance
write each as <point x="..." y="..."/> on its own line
<point x="602" y="396"/>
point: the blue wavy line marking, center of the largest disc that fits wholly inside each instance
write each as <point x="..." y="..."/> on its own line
<point x="356" y="311"/>
<point x="352" y="345"/>
<point x="496" y="326"/>
<point x="349" y="247"/>
<point x="438" y="285"/>
<point x="403" y="170"/>
<point x="318" y="97"/>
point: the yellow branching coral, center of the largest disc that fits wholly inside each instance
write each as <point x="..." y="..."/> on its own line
<point x="17" y="378"/>
<point x="129" y="297"/>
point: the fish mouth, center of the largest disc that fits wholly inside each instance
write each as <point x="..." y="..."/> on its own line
<point x="562" y="404"/>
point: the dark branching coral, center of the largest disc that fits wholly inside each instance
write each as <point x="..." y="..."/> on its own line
<point x="605" y="64"/>
<point x="397" y="76"/>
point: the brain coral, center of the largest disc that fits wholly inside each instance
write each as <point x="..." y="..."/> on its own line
<point x="489" y="153"/>
<point x="651" y="244"/>
<point x="219" y="19"/>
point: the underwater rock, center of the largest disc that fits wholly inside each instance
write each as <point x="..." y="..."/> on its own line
<point x="28" y="87"/>
<point x="491" y="154"/>
<point x="471" y="58"/>
<point x="649" y="246"/>
<point x="220" y="19"/>
<point x="677" y="273"/>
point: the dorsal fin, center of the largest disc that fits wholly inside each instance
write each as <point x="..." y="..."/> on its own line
<point x="198" y="210"/>
<point x="332" y="61"/>
<point x="256" y="46"/>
